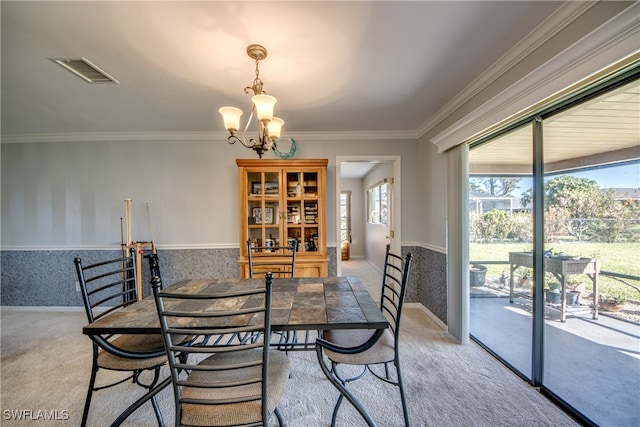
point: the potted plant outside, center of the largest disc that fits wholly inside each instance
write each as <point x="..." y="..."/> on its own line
<point x="573" y="297"/>
<point x="612" y="302"/>
<point x="477" y="274"/>
<point x="552" y="295"/>
<point x="573" y="294"/>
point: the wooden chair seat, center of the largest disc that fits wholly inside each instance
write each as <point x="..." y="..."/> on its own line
<point x="235" y="413"/>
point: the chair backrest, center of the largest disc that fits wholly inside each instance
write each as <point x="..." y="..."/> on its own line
<point x="107" y="285"/>
<point x="154" y="265"/>
<point x="395" y="277"/>
<point x="237" y="310"/>
<point x="281" y="260"/>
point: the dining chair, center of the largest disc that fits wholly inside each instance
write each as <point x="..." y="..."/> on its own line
<point x="222" y="384"/>
<point x="385" y="351"/>
<point x="154" y="264"/>
<point x="281" y="260"/>
<point x="107" y="286"/>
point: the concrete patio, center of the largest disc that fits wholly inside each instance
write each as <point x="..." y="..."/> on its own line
<point x="594" y="365"/>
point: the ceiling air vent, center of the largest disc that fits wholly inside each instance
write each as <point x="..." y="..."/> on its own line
<point x="83" y="68"/>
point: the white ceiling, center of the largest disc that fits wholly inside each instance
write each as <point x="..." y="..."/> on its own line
<point x="334" y="66"/>
<point x="353" y="170"/>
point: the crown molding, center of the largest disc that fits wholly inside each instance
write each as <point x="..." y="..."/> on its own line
<point x="356" y="135"/>
<point x="563" y="16"/>
<point x="199" y="136"/>
<point x="113" y="136"/>
<point x="612" y="45"/>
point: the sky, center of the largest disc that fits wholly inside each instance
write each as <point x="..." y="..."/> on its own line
<point x="627" y="176"/>
<point x="616" y="177"/>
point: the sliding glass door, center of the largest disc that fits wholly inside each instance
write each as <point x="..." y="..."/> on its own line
<point x="592" y="247"/>
<point x="554" y="230"/>
<point x="501" y="223"/>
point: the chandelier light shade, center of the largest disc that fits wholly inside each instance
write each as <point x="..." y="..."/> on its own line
<point x="264" y="107"/>
<point x="275" y="127"/>
<point x="269" y="127"/>
<point x="231" y="116"/>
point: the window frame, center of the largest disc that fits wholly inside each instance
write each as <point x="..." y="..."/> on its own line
<point x="376" y="207"/>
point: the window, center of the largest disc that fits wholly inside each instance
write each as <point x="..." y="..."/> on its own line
<point x="377" y="204"/>
<point x="345" y="216"/>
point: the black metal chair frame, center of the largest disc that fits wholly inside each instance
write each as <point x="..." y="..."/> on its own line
<point x="394" y="283"/>
<point x="280" y="257"/>
<point x="201" y="325"/>
<point x="110" y="285"/>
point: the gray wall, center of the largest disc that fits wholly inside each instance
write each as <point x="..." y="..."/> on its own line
<point x="60" y="195"/>
<point x="61" y="200"/>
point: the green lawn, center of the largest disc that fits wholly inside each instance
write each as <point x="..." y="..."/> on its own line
<point x="621" y="258"/>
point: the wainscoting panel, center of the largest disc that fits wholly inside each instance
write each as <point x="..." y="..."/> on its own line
<point x="48" y="278"/>
<point x="428" y="280"/>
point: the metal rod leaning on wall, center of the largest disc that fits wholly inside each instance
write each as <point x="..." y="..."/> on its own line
<point x="122" y="244"/>
<point x="153" y="240"/>
<point x="123" y="251"/>
<point x="127" y="217"/>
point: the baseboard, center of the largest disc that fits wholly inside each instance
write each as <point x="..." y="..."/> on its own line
<point x="41" y="308"/>
<point x="429" y="314"/>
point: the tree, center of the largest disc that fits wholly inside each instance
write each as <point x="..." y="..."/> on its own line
<point x="495" y="225"/>
<point x="500" y="187"/>
<point x="614" y="220"/>
<point x="522" y="226"/>
<point x="556" y="219"/>
<point x="581" y="197"/>
<point x="526" y="198"/>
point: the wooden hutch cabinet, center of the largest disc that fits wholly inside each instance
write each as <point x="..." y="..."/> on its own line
<point x="282" y="200"/>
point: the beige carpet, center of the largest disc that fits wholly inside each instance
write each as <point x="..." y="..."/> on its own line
<point x="45" y="364"/>
<point x="46" y="361"/>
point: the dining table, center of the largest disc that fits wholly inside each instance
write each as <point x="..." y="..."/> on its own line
<point x="297" y="305"/>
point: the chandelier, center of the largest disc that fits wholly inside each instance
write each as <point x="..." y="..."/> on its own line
<point x="269" y="127"/>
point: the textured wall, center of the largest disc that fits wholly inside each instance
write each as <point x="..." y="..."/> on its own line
<point x="47" y="278"/>
<point x="428" y="280"/>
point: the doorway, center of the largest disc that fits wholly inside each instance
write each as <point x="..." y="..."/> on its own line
<point x="368" y="240"/>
